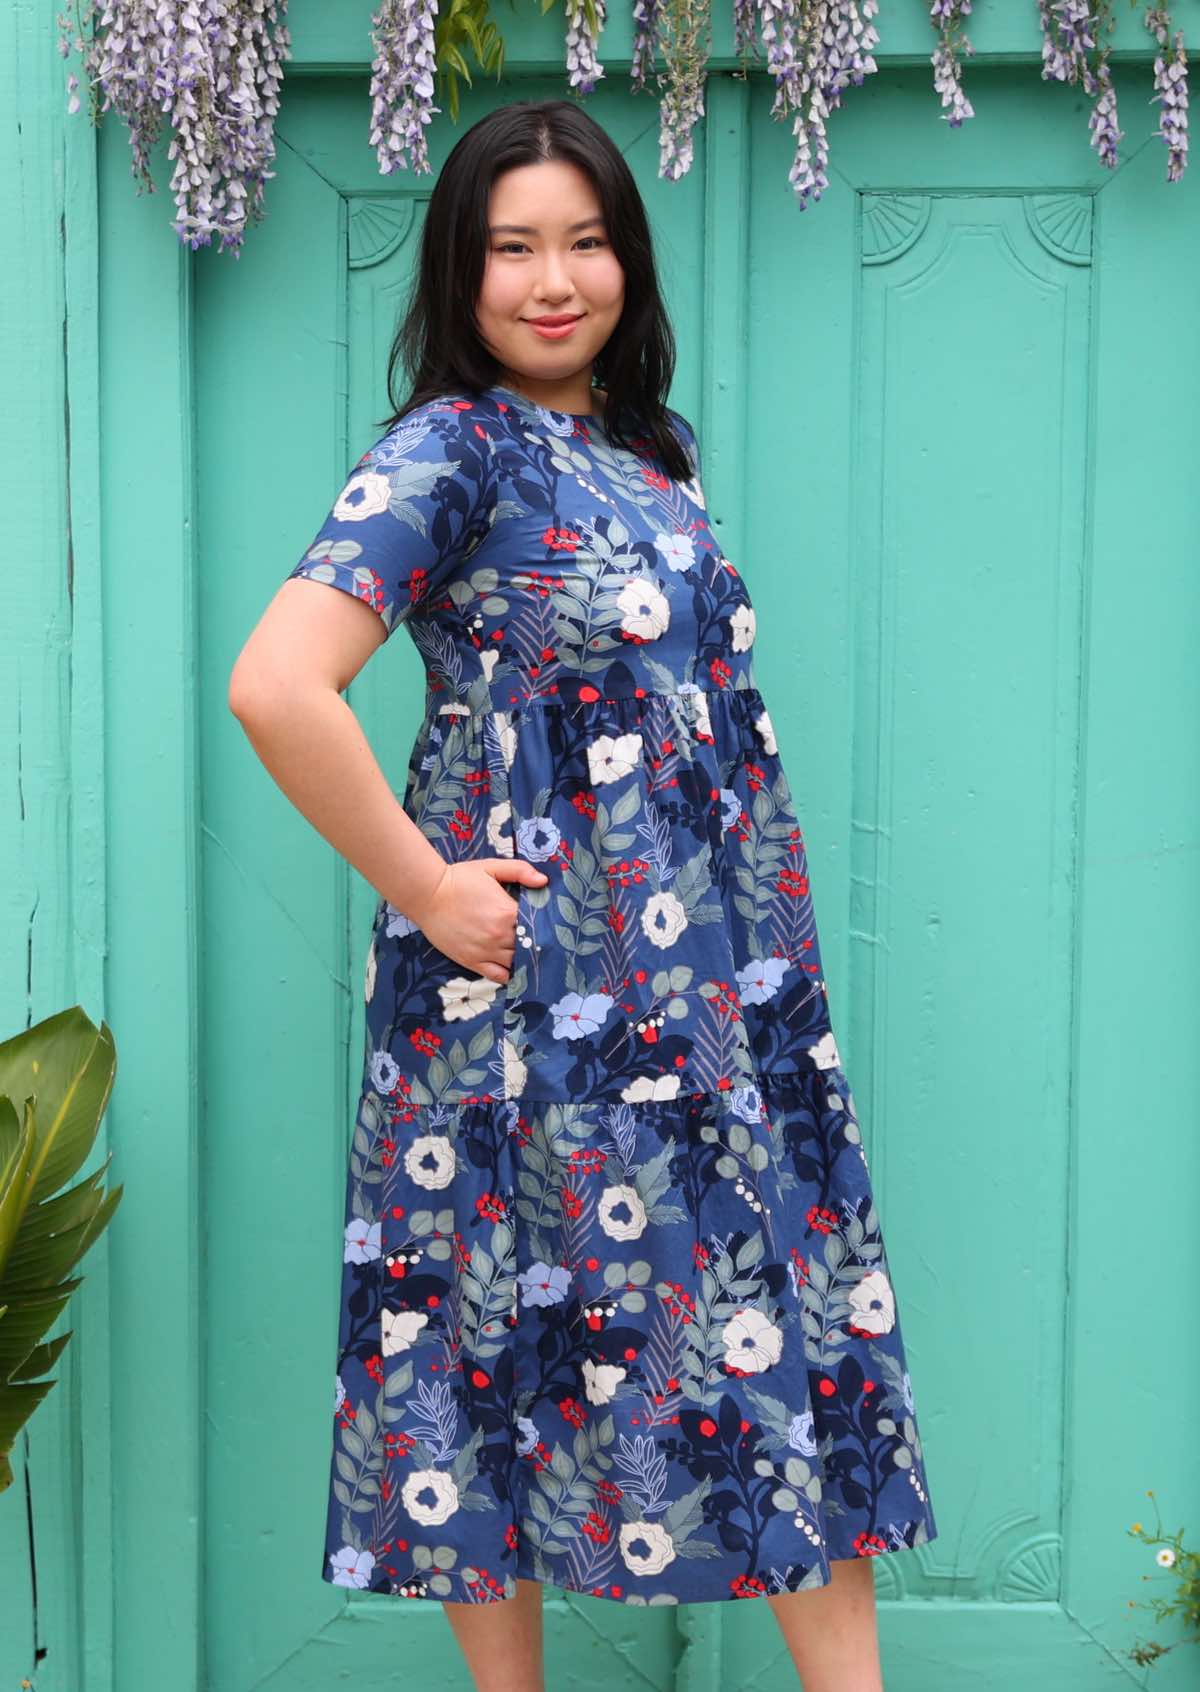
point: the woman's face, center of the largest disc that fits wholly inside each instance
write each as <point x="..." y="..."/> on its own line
<point x="548" y="256"/>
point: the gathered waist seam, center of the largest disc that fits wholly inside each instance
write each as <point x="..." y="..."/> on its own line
<point x="438" y="706"/>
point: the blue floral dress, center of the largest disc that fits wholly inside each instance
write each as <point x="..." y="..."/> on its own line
<point x="616" y="1313"/>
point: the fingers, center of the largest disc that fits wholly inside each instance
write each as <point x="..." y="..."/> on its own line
<point x="495" y="972"/>
<point x="513" y="869"/>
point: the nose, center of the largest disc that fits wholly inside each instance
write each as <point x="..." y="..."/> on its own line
<point x="554" y="282"/>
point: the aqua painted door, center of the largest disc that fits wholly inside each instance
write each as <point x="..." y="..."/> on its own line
<point x="968" y="643"/>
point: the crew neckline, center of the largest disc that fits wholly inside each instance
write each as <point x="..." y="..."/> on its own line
<point x="524" y="399"/>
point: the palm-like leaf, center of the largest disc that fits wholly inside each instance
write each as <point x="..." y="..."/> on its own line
<point x="55" y="1081"/>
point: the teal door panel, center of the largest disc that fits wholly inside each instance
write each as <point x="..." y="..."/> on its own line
<point x="931" y="415"/>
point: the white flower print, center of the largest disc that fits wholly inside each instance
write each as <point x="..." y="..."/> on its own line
<point x="506" y="734"/>
<point x="466" y="996"/>
<point x="515" y="1070"/>
<point x="694" y="492"/>
<point x="663" y="919"/>
<point x="825" y="1053"/>
<point x="751" y="1342"/>
<point x="429" y="1161"/>
<point x="699" y="698"/>
<point x="763" y="724"/>
<point x="643" y="1088"/>
<point x="609" y="758"/>
<point x="601" y="1380"/>
<point x="614" y="1200"/>
<point x="874" y="1303"/>
<point x="646" y="1547"/>
<point x="364" y="495"/>
<point x="488" y="661"/>
<point x="399" y="1330"/>
<point x="339" y="1393"/>
<point x="678" y="551"/>
<point x="499" y="838"/>
<point x="369" y="976"/>
<point x="644" y="609"/>
<point x="742" y="626"/>
<point x="430" y="1497"/>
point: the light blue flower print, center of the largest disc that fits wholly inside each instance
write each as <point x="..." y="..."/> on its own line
<point x="537" y="839"/>
<point x="760" y="980"/>
<point x="397" y="923"/>
<point x="363" y="1241"/>
<point x="528" y="1436"/>
<point x="731" y="807"/>
<point x="385" y="1071"/>
<point x="801" y="1435"/>
<point x="351" y="1567"/>
<point x="678" y="551"/>
<point x="543" y="1286"/>
<point x="432" y="749"/>
<point x="747" y="1103"/>
<point x="574" y="1015"/>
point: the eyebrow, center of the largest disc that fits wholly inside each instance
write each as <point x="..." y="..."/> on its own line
<point x="524" y="228"/>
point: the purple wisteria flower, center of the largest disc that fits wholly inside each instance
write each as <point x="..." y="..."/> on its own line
<point x="1069" y="32"/>
<point x="213" y="68"/>
<point x="1171" y="88"/>
<point x="402" y="34"/>
<point x="813" y="53"/>
<point x="946" y="17"/>
<point x="584" y="69"/>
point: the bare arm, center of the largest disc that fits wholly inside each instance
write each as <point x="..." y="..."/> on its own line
<point x="286" y="691"/>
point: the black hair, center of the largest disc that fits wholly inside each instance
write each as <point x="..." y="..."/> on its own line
<point x="438" y="341"/>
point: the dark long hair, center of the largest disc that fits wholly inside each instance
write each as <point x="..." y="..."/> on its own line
<point x="438" y="342"/>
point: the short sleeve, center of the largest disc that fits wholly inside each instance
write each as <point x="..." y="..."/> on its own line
<point x="416" y="505"/>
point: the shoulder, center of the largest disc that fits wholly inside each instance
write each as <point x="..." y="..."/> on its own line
<point x="443" y="438"/>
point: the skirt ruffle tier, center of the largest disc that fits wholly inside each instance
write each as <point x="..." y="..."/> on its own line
<point x="648" y="1351"/>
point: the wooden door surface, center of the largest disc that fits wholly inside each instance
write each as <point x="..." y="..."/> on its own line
<point x="933" y="432"/>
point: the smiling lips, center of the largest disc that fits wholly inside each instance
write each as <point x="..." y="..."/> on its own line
<point x="552" y="328"/>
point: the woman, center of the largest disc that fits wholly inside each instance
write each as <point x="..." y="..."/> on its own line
<point x="616" y="1311"/>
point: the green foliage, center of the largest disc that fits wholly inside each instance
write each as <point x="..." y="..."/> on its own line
<point x="55" y="1080"/>
<point x="1185" y="1573"/>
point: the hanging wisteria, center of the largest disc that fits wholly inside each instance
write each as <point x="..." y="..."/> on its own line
<point x="213" y="69"/>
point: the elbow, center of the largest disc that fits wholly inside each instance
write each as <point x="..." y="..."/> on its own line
<point x="245" y="691"/>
